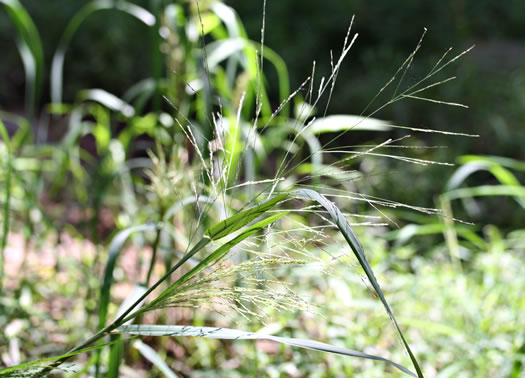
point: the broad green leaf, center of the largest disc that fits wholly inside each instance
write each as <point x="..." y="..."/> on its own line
<point x="234" y="334"/>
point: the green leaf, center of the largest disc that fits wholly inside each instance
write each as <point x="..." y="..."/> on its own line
<point x="151" y="355"/>
<point x="57" y="65"/>
<point x="107" y="99"/>
<point x="500" y="160"/>
<point x="337" y="123"/>
<point x="234" y="334"/>
<point x="5" y="227"/>
<point x="115" y="248"/>
<point x="31" y="52"/>
<point x="115" y="355"/>
<point x="218" y="254"/>
<point x="494" y="165"/>
<point x="354" y="243"/>
<point x="486" y="191"/>
<point x="241" y="219"/>
<point x="7" y="371"/>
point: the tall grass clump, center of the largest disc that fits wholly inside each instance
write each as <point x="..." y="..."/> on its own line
<point x="230" y="193"/>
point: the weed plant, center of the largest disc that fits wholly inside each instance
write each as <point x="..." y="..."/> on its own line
<point x="236" y="203"/>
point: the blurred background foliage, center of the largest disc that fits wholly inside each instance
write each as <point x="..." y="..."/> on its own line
<point x="112" y="51"/>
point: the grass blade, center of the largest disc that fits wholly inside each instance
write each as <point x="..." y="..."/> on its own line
<point x="31" y="52"/>
<point x="115" y="248"/>
<point x="239" y="220"/>
<point x="218" y="254"/>
<point x="234" y="334"/>
<point x="358" y="250"/>
<point x="12" y="369"/>
<point x="339" y="123"/>
<point x="151" y="355"/>
<point x="487" y="191"/>
<point x="57" y="65"/>
<point x="107" y="99"/>
<point x="5" y="226"/>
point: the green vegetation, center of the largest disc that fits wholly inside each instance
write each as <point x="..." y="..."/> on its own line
<point x="227" y="218"/>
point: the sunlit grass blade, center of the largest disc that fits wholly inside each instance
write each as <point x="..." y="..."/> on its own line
<point x="406" y="233"/>
<point x="338" y="123"/>
<point x="107" y="99"/>
<point x="473" y="164"/>
<point x="487" y="191"/>
<point x="500" y="160"/>
<point x="234" y="334"/>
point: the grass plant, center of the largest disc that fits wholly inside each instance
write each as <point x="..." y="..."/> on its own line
<point x="233" y="197"/>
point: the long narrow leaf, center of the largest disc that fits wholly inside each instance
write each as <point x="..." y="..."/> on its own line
<point x="234" y="334"/>
<point x="5" y="227"/>
<point x="31" y="51"/>
<point x="114" y="251"/>
<point x="151" y="355"/>
<point x="241" y="219"/>
<point x="358" y="250"/>
<point x="57" y="66"/>
<point x="219" y="253"/>
<point x="7" y="371"/>
<point x="107" y="99"/>
<point x="218" y="231"/>
<point x="487" y="191"/>
<point x="338" y="123"/>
